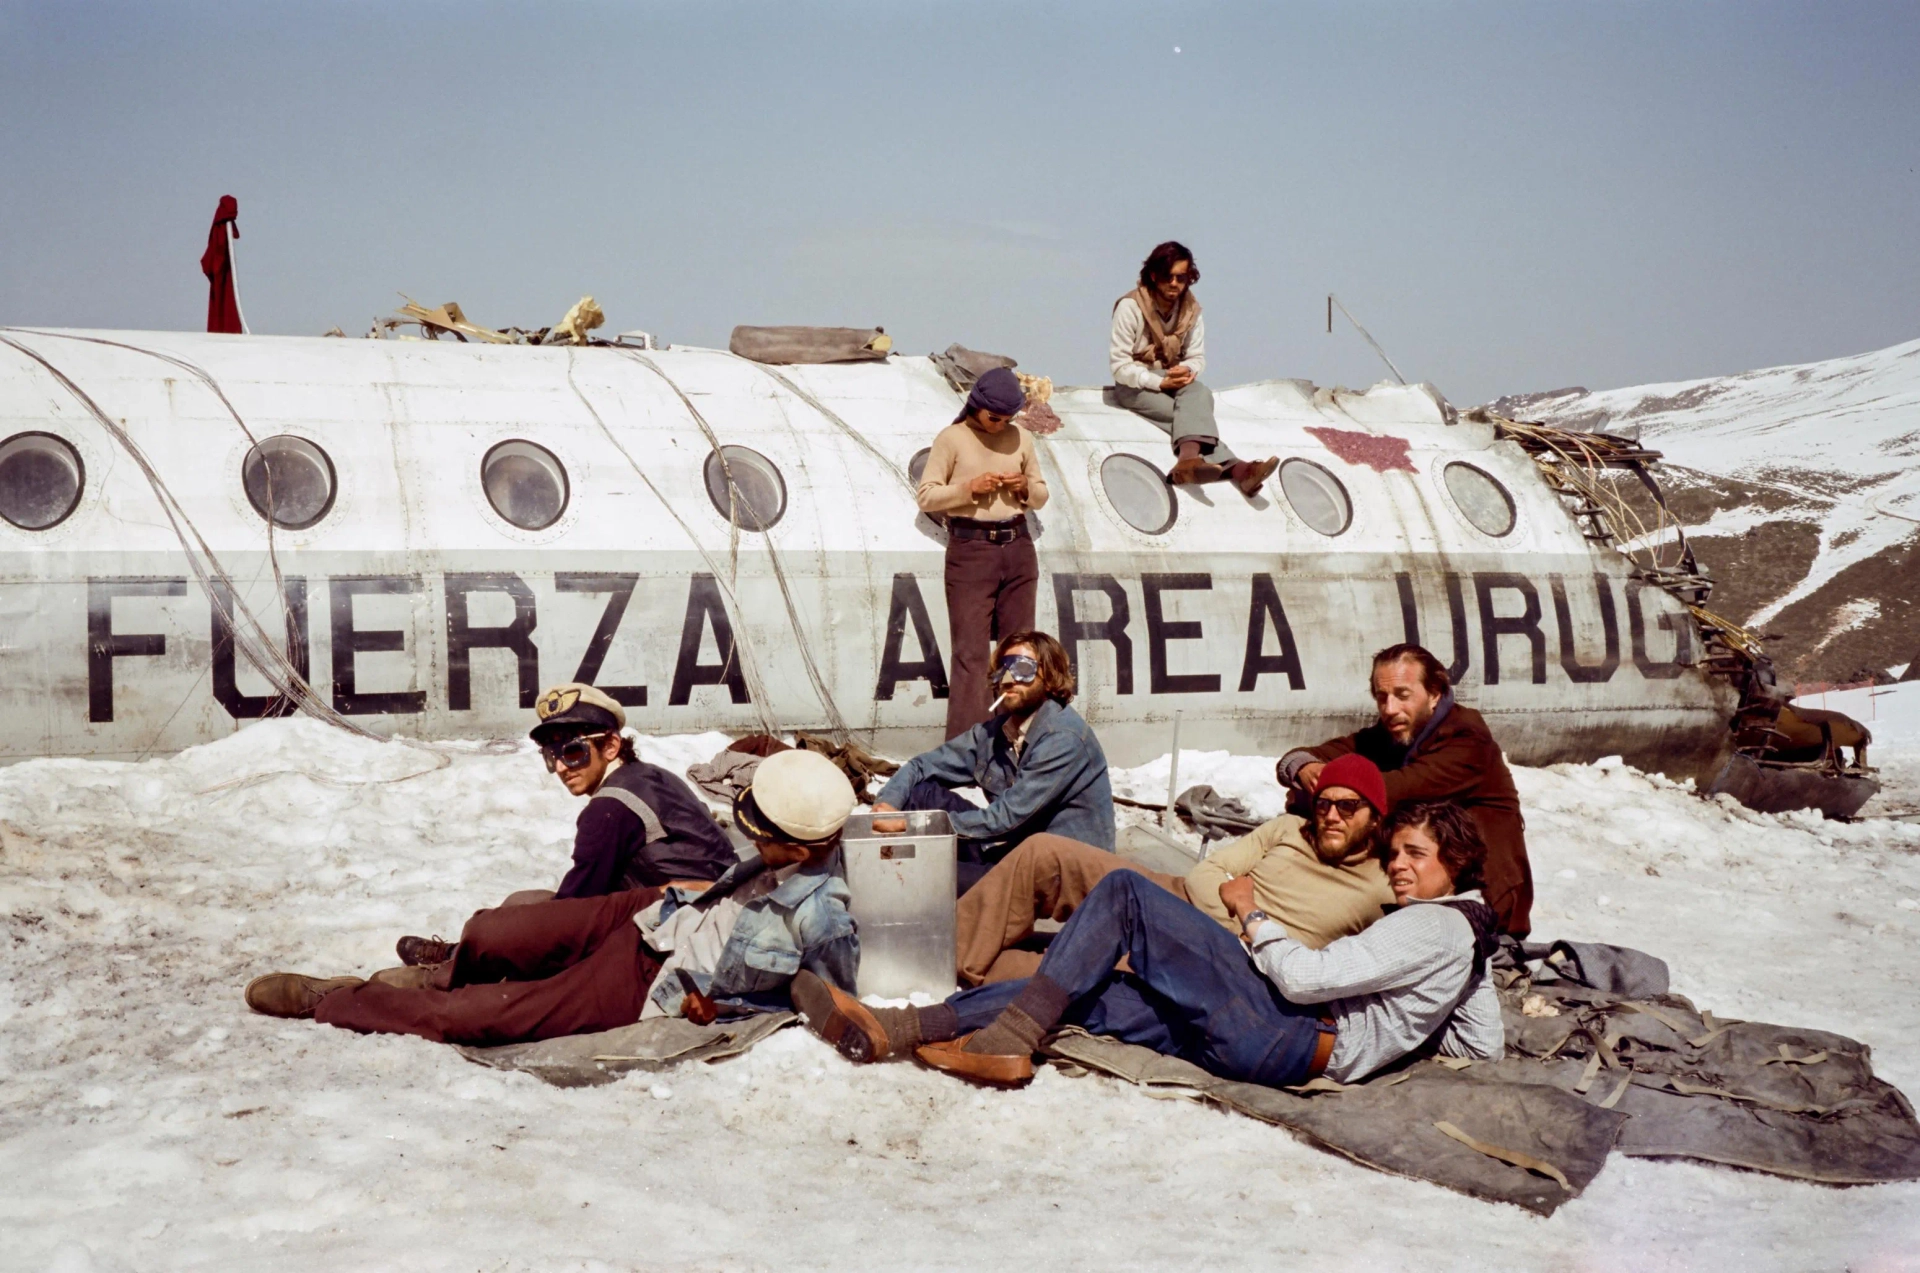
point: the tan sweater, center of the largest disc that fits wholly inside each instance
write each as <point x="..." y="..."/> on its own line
<point x="962" y="453"/>
<point x="1316" y="901"/>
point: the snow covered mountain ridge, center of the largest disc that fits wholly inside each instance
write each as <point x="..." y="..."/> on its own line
<point x="1800" y="489"/>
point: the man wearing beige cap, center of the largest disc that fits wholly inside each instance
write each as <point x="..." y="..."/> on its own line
<point x="578" y="965"/>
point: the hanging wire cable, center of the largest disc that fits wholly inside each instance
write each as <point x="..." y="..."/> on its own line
<point x="836" y="722"/>
<point x="742" y="640"/>
<point x="859" y="438"/>
<point x="250" y="636"/>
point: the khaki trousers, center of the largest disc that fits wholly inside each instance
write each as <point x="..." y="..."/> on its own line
<point x="1045" y="876"/>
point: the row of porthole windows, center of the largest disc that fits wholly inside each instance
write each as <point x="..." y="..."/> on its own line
<point x="1139" y="493"/>
<point x="291" y="482"/>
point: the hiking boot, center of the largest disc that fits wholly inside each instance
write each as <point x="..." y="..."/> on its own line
<point x="290" y="994"/>
<point x="416" y="952"/>
<point x="981" y="1067"/>
<point x="849" y="1026"/>
<point x="1254" y="475"/>
<point x="1191" y="470"/>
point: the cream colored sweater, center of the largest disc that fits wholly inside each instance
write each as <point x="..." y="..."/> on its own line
<point x="1316" y="901"/>
<point x="962" y="453"/>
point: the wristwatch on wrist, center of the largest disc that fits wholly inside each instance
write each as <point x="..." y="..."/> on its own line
<point x="1251" y="918"/>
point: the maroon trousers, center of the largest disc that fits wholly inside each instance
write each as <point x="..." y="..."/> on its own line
<point x="990" y="595"/>
<point x="520" y="973"/>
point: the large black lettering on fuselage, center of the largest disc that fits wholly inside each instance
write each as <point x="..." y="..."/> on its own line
<point x="1181" y="620"/>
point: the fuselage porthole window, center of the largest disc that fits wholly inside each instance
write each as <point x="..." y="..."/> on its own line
<point x="1481" y="499"/>
<point x="1317" y="497"/>
<point x="917" y="466"/>
<point x="1139" y="493"/>
<point x="759" y="496"/>
<point x="289" y="481"/>
<point x="41" y="479"/>
<point x="525" y="483"/>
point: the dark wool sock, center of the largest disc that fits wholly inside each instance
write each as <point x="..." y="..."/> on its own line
<point x="904" y="1027"/>
<point x="937" y="1024"/>
<point x="1018" y="1029"/>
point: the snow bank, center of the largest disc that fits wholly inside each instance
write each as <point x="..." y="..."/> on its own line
<point x="147" y="1121"/>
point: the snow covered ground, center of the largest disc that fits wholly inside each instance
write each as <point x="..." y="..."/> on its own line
<point x="148" y="1121"/>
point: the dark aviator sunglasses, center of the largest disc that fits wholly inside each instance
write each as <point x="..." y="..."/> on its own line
<point x="572" y="754"/>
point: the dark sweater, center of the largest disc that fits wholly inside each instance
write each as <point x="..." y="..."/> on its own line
<point x="618" y="846"/>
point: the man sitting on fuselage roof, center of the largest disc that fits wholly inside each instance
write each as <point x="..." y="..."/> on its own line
<point x="1321" y="878"/>
<point x="642" y="826"/>
<point x="1035" y="757"/>
<point x="1432" y="748"/>
<point x="1285" y="1015"/>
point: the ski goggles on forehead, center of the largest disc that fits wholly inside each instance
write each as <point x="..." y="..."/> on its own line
<point x="572" y="754"/>
<point x="1017" y="668"/>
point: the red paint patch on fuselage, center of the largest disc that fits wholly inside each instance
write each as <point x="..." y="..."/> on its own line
<point x="1380" y="454"/>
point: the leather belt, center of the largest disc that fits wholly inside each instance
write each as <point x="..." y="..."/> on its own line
<point x="1322" y="1049"/>
<point x="991" y="532"/>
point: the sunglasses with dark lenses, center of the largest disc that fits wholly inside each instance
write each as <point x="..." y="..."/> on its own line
<point x="1017" y="668"/>
<point x="572" y="754"/>
<point x="1346" y="808"/>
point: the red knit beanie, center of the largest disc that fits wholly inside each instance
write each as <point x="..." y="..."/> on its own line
<point x="1357" y="774"/>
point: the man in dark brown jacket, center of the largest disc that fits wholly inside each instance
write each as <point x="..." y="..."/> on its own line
<point x="1431" y="748"/>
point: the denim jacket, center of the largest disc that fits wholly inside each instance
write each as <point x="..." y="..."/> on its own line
<point x="1058" y="784"/>
<point x="802" y="923"/>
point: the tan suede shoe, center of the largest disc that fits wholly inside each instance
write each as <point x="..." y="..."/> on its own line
<point x="981" y="1067"/>
<point x="404" y="978"/>
<point x="290" y="994"/>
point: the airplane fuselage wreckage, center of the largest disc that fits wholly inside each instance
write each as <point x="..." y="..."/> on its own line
<point x="724" y="544"/>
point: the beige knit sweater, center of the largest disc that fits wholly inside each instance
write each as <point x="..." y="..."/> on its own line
<point x="962" y="453"/>
<point x="1316" y="901"/>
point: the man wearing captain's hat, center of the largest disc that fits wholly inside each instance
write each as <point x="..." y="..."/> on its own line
<point x="585" y="964"/>
<point x="643" y="825"/>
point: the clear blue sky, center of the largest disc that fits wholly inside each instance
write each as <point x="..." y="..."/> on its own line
<point x="1512" y="197"/>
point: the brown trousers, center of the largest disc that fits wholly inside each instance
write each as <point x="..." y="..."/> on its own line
<point x="990" y="595"/>
<point x="520" y="973"/>
<point x="1046" y="876"/>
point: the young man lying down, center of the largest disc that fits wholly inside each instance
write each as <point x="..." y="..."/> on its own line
<point x="1261" y="1009"/>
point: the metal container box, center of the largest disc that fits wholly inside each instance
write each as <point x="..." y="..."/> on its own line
<point x="903" y="899"/>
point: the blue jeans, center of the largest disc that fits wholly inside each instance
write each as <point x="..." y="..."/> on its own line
<point x="1193" y="993"/>
<point x="975" y="857"/>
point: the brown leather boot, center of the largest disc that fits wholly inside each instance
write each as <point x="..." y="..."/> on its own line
<point x="1251" y="475"/>
<point x="416" y="951"/>
<point x="1191" y="470"/>
<point x="290" y="994"/>
<point x="849" y="1026"/>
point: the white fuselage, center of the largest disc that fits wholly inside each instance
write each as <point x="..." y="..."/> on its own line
<point x="425" y="612"/>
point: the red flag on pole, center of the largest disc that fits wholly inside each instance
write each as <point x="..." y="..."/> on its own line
<point x="223" y="293"/>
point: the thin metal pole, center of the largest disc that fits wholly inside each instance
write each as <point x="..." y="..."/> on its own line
<point x="1333" y="300"/>
<point x="1173" y="775"/>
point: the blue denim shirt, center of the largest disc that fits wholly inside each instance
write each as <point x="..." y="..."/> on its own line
<point x="1058" y="784"/>
<point x="802" y="923"/>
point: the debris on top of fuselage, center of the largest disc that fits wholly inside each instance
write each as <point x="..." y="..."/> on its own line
<point x="449" y="319"/>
